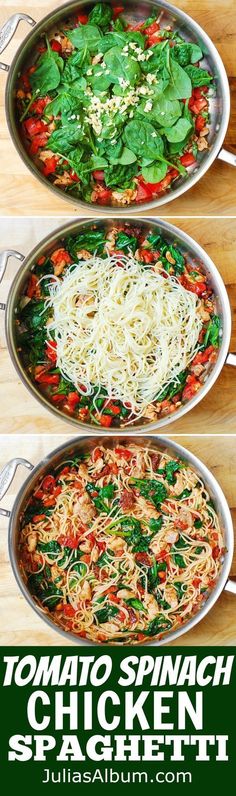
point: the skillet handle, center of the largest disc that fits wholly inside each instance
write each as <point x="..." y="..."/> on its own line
<point x="8" y="30"/>
<point x="231" y="586"/>
<point x="227" y="157"/>
<point x="4" y="257"/>
<point x="231" y="360"/>
<point x="6" y="477"/>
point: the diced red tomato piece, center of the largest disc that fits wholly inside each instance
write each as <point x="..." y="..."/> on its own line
<point x="37" y="142"/>
<point x="188" y="159"/>
<point x="68" y="610"/>
<point x="57" y="398"/>
<point x="49" y="167"/>
<point x="196" y="582"/>
<point x="216" y="552"/>
<point x="34" y="126"/>
<point x="61" y="255"/>
<point x="197" y="105"/>
<point x="194" y="287"/>
<point x="97" y="454"/>
<point x="74" y="176"/>
<point x="82" y="18"/>
<point x="104" y="196"/>
<point x="150" y="29"/>
<point x="113" y="598"/>
<point x="154" y="39"/>
<point x="55" y="46"/>
<point x="146" y="256"/>
<point x="199" y="123"/>
<point x="105" y="420"/>
<point x="117" y="10"/>
<point x="32" y="285"/>
<point x="47" y="378"/>
<point x="51" y="350"/>
<point x="203" y="356"/>
<point x="98" y="175"/>
<point x="73" y="399"/>
<point x="113" y="408"/>
<point x="192" y="386"/>
<point x="48" y="483"/>
<point x="144" y="558"/>
<point x="38" y="517"/>
<point x="121" y="616"/>
<point x="39" y="105"/>
<point x="124" y="453"/>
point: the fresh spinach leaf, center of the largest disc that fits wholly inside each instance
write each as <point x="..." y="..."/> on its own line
<point x="180" y="86"/>
<point x="86" y="36"/>
<point x="101" y="15"/>
<point x="198" y="77"/>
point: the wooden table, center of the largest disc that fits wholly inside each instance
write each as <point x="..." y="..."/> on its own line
<point x="22" y="626"/>
<point x="20" y="412"/>
<point x="215" y="194"/>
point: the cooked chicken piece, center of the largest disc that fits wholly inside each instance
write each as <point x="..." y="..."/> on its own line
<point x="171" y="596"/>
<point x="125" y="594"/>
<point x="20" y="93"/>
<point x="83" y="471"/>
<point x="51" y="127"/>
<point x="95" y="555"/>
<point x="204" y="315"/>
<point x="86" y="546"/>
<point x="57" y="573"/>
<point x="151" y="606"/>
<point x="204" y="131"/>
<point x="85" y="593"/>
<point x="139" y="468"/>
<point x="186" y="516"/>
<point x="152" y="412"/>
<point x="117" y="543"/>
<point x="110" y="627"/>
<point x="147" y="507"/>
<point x="66" y="44"/>
<point x="45" y="154"/>
<point x="83" y="254"/>
<point x="111" y="239"/>
<point x="32" y="541"/>
<point x="197" y="369"/>
<point x="85" y="509"/>
<point x="202" y="144"/>
<point x="171" y="537"/>
<point x="155" y="546"/>
<point x="63" y="179"/>
<point x="123" y="198"/>
<point x="179" y="485"/>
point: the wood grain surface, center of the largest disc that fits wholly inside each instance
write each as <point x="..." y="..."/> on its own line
<point x="216" y="413"/>
<point x="214" y="194"/>
<point x="21" y="626"/>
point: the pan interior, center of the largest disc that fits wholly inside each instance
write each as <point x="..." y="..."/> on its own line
<point x="54" y="241"/>
<point x="189" y="30"/>
<point x="86" y="444"/>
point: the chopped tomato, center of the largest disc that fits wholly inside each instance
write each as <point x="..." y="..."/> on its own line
<point x="105" y="420"/>
<point x="34" y="126"/>
<point x="61" y="255"/>
<point x="142" y="191"/>
<point x="84" y="413"/>
<point x="196" y="582"/>
<point x="141" y="636"/>
<point x="97" y="454"/>
<point x="151" y="28"/>
<point x="113" y="598"/>
<point x="49" y="501"/>
<point x="197" y="105"/>
<point x="194" y="287"/>
<point x="73" y="399"/>
<point x="203" y="356"/>
<point x="82" y="18"/>
<point x="49" y="167"/>
<point x="65" y="471"/>
<point x="216" y="552"/>
<point x="124" y="453"/>
<point x="146" y="256"/>
<point x="51" y="351"/>
<point x="192" y="386"/>
<point x="121" y="616"/>
<point x="38" y="517"/>
<point x="114" y="469"/>
<point x="103" y="197"/>
<point x="144" y="558"/>
<point x="37" y="142"/>
<point x="39" y="105"/>
<point x="68" y="610"/>
<point x="32" y="285"/>
<point x="74" y="176"/>
<point x="113" y="408"/>
<point x="117" y="10"/>
<point x="57" y="398"/>
<point x="188" y="159"/>
<point x="41" y="260"/>
<point x="55" y="46"/>
<point x="98" y="175"/>
<point x="199" y="123"/>
<point x="69" y="541"/>
<point x="48" y="483"/>
<point x="47" y="378"/>
<point x="154" y="39"/>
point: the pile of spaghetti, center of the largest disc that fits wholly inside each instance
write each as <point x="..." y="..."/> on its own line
<point x="117" y="325"/>
<point x="120" y="544"/>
